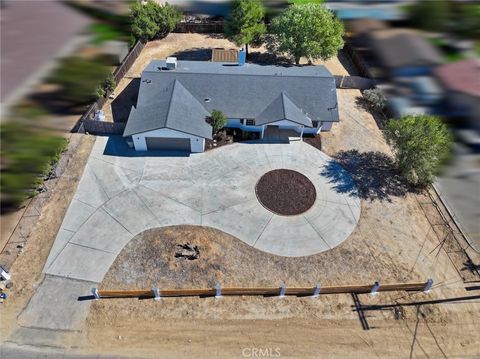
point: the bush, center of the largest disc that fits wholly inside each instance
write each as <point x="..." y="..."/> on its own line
<point x="218" y="120"/>
<point x="375" y="99"/>
<point x="107" y="86"/>
<point x="152" y="20"/>
<point x="79" y="79"/>
<point x="27" y="156"/>
<point x="421" y="145"/>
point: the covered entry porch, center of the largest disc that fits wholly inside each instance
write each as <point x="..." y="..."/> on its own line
<point x="277" y="134"/>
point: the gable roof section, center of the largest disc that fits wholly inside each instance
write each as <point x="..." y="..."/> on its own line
<point x="283" y="108"/>
<point x="174" y="107"/>
<point x="462" y="76"/>
<point x="245" y="91"/>
<point x="403" y="47"/>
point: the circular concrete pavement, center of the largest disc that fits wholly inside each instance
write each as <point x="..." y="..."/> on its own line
<point x="123" y="193"/>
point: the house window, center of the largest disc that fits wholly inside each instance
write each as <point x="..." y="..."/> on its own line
<point x="315" y="124"/>
<point x="250" y="122"/>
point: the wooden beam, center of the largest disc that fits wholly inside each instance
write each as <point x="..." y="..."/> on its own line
<point x="263" y="291"/>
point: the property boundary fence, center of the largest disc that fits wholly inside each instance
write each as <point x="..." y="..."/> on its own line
<point x="118" y="74"/>
<point x="103" y="128"/>
<point x="357" y="60"/>
<point x="281" y="291"/>
<point x="354" y="82"/>
<point x="211" y="27"/>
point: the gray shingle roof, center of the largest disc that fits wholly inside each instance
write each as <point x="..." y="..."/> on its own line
<point x="402" y="48"/>
<point x="238" y="91"/>
<point x="174" y="108"/>
<point x="282" y="108"/>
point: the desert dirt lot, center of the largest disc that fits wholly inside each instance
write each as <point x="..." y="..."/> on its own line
<point x="394" y="241"/>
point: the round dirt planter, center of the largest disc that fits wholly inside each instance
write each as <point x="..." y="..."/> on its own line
<point x="285" y="192"/>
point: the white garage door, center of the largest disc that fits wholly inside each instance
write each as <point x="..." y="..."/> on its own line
<point x="168" y="143"/>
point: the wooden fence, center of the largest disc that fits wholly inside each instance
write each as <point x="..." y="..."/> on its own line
<point x="212" y="27"/>
<point x="128" y="61"/>
<point x="281" y="291"/>
<point x="103" y="127"/>
<point x="86" y="120"/>
<point x="357" y="61"/>
<point x="354" y="82"/>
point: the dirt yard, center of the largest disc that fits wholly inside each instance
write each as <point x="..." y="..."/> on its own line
<point x="187" y="47"/>
<point x="394" y="241"/>
<point x="27" y="269"/>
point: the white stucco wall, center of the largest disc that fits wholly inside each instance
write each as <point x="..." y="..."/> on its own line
<point x="197" y="144"/>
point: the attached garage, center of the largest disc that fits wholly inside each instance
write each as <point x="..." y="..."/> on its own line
<point x="168" y="144"/>
<point x="176" y="121"/>
<point x="166" y="139"/>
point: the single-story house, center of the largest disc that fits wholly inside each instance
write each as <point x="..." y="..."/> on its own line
<point x="461" y="82"/>
<point x="404" y="52"/>
<point x="176" y="99"/>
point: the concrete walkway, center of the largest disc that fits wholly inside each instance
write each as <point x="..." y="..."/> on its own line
<point x="123" y="194"/>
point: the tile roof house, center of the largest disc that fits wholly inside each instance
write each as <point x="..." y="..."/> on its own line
<point x="176" y="98"/>
<point x="461" y="80"/>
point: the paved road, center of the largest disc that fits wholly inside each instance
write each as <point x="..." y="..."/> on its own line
<point x="11" y="351"/>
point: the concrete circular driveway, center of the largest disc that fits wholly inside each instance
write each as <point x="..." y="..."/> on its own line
<point x="123" y="193"/>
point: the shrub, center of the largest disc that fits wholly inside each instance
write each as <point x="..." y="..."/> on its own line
<point x="375" y="99"/>
<point x="421" y="145"/>
<point x="152" y="20"/>
<point x="218" y="120"/>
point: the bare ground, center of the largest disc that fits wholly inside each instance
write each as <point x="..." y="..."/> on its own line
<point x="26" y="270"/>
<point x="394" y="241"/>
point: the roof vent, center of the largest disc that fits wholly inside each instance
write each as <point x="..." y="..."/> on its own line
<point x="206" y="99"/>
<point x="171" y="63"/>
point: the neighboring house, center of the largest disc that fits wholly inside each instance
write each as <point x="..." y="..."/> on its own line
<point x="351" y="10"/>
<point x="359" y="29"/>
<point x="404" y="52"/>
<point x="176" y="99"/>
<point x="461" y="80"/>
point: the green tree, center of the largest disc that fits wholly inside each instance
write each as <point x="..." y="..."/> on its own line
<point x="152" y="20"/>
<point x="466" y="20"/>
<point x="309" y="30"/>
<point x="79" y="79"/>
<point x="421" y="145"/>
<point x="245" y="24"/>
<point x="431" y="15"/>
<point x="218" y="120"/>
